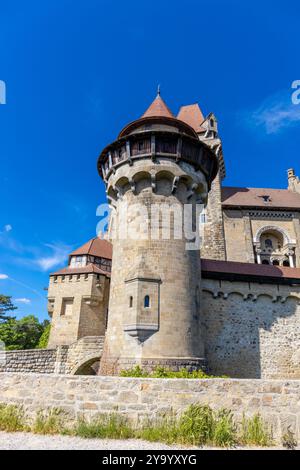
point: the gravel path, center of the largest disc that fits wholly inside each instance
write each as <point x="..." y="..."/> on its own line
<point x="27" y="441"/>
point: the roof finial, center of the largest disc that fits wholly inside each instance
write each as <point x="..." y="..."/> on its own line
<point x="158" y="89"/>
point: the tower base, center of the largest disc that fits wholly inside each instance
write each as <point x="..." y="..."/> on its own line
<point x="113" y="366"/>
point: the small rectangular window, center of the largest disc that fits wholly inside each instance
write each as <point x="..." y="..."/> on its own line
<point x="67" y="306"/>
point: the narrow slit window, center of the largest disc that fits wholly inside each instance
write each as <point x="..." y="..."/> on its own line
<point x="130" y="301"/>
<point x="147" y="301"/>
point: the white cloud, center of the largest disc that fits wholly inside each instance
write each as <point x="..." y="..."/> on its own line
<point x="3" y="276"/>
<point x="7" y="228"/>
<point x="276" y="113"/>
<point x="59" y="255"/>
<point x="23" y="300"/>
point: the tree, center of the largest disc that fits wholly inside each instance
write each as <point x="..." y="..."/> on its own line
<point x="6" y="305"/>
<point x="21" y="334"/>
<point x="43" y="342"/>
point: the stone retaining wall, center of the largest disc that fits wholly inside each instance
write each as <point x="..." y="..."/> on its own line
<point x="73" y="359"/>
<point x="278" y="401"/>
<point x="30" y="360"/>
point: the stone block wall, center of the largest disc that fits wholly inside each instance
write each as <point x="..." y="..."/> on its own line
<point x="251" y="330"/>
<point x="73" y="359"/>
<point x="277" y="401"/>
<point x="30" y="360"/>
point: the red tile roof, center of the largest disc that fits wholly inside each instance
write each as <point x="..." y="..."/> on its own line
<point x="90" y="268"/>
<point x="192" y="115"/>
<point x="158" y="108"/>
<point x="260" y="272"/>
<point x="260" y="197"/>
<point x="95" y="247"/>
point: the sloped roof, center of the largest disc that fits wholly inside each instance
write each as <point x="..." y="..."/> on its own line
<point x="192" y="115"/>
<point x="260" y="197"/>
<point x="232" y="270"/>
<point x="95" y="247"/>
<point x="90" y="268"/>
<point x="158" y="108"/>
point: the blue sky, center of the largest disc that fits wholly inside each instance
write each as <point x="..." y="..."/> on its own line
<point x="76" y="72"/>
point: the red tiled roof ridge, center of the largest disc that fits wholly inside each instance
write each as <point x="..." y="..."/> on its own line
<point x="89" y="268"/>
<point x="95" y="246"/>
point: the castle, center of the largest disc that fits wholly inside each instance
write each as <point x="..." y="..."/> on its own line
<point x="231" y="308"/>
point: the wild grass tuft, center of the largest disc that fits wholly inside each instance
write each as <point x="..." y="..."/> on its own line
<point x="106" y="426"/>
<point x="49" y="422"/>
<point x="255" y="432"/>
<point x="12" y="418"/>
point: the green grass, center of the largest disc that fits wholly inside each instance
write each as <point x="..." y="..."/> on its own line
<point x="198" y="425"/>
<point x="12" y="418"/>
<point x="49" y="422"/>
<point x="105" y="426"/>
<point x="164" y="373"/>
<point x="255" y="432"/>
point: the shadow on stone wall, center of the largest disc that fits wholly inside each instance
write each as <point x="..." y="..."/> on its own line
<point x="252" y="337"/>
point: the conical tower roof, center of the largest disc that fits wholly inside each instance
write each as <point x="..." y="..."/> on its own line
<point x="158" y="108"/>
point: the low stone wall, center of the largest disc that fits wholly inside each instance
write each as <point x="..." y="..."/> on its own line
<point x="77" y="358"/>
<point x="277" y="401"/>
<point x="30" y="360"/>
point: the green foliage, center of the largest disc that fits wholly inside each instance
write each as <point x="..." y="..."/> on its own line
<point x="162" y="430"/>
<point x="6" y="305"/>
<point x="21" y="334"/>
<point x="164" y="373"/>
<point x="43" y="341"/>
<point x="224" y="433"/>
<point x="199" y="425"/>
<point x="49" y="422"/>
<point x="106" y="426"/>
<point x="255" y="432"/>
<point x="288" y="440"/>
<point x="12" y="418"/>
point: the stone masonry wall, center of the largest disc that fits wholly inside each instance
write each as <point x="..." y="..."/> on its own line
<point x="31" y="360"/>
<point x="277" y="401"/>
<point x="61" y="360"/>
<point x="251" y="330"/>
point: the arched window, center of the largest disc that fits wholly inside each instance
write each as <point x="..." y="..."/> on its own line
<point x="130" y="301"/>
<point x="286" y="263"/>
<point x="146" y="301"/>
<point x="275" y="262"/>
<point x="268" y="243"/>
<point x="265" y="261"/>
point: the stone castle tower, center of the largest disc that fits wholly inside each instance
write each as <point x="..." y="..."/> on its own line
<point x="157" y="163"/>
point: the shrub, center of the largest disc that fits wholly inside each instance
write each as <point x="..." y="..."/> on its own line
<point x="12" y="418"/>
<point x="255" y="432"/>
<point x="164" y="373"/>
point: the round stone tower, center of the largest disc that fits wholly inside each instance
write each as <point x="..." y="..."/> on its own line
<point x="156" y="174"/>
